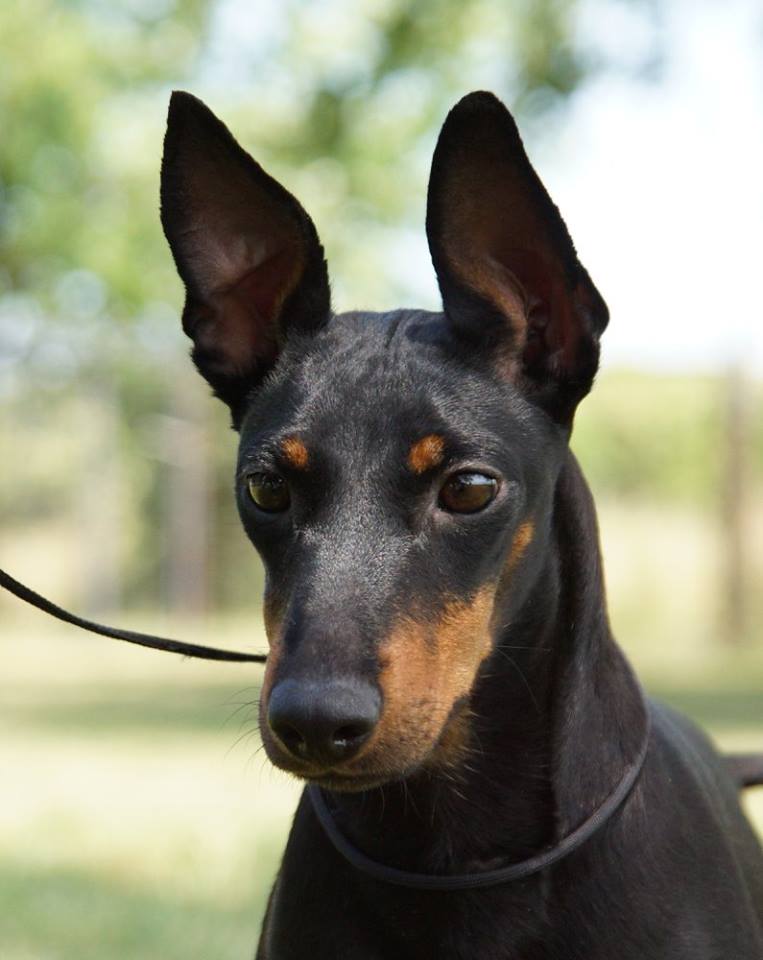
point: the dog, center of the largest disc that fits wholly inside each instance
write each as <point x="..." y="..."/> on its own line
<point x="486" y="778"/>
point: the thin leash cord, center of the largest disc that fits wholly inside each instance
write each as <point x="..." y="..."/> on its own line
<point x="130" y="636"/>
<point x="378" y="871"/>
<point x="488" y="878"/>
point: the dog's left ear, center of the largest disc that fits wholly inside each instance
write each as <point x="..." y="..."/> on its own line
<point x="249" y="255"/>
<point x="510" y="279"/>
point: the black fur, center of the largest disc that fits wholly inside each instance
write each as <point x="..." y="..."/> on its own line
<point x="196" y="136"/>
<point x="553" y="714"/>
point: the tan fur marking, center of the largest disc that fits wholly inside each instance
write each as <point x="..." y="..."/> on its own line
<point x="426" y="668"/>
<point x="295" y="452"/>
<point x="520" y="543"/>
<point x="426" y="453"/>
<point x="273" y="615"/>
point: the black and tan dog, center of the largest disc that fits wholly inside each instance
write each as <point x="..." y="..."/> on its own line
<point x="441" y="665"/>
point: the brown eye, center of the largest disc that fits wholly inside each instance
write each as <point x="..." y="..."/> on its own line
<point x="269" y="492"/>
<point x="467" y="492"/>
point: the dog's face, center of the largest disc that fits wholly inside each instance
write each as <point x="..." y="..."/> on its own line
<point x="393" y="494"/>
<point x="395" y="471"/>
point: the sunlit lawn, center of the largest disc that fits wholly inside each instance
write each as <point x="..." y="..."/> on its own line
<point x="138" y="818"/>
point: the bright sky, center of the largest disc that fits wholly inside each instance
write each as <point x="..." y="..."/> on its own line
<point x="661" y="184"/>
<point x="662" y="187"/>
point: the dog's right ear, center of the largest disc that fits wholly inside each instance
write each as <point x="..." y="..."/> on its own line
<point x="247" y="252"/>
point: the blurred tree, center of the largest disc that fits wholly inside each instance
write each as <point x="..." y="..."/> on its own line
<point x="77" y="236"/>
<point x="340" y="98"/>
<point x="82" y="272"/>
<point x="343" y="98"/>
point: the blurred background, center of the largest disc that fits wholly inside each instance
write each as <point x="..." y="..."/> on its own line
<point x="138" y="817"/>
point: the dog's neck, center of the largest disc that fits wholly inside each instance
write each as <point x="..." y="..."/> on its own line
<point x="555" y="718"/>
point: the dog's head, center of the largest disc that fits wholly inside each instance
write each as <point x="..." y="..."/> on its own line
<point x="396" y="471"/>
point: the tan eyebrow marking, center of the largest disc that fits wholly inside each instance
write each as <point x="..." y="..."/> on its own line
<point x="426" y="453"/>
<point x="295" y="452"/>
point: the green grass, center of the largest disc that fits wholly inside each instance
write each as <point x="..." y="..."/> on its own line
<point x="152" y="710"/>
<point x="138" y="817"/>
<point x="64" y="913"/>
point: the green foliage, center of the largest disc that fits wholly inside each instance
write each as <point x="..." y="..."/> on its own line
<point x="341" y="99"/>
<point x="344" y="103"/>
<point x="73" y="159"/>
<point x="654" y="437"/>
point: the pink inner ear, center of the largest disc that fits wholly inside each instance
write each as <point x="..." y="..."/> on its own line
<point x="544" y="328"/>
<point x="551" y="331"/>
<point x="243" y="331"/>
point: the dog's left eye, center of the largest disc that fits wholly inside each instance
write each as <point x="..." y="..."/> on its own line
<point x="269" y="492"/>
<point x="467" y="492"/>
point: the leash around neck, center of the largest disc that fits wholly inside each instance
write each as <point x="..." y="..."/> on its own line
<point x="488" y="878"/>
<point x="130" y="636"/>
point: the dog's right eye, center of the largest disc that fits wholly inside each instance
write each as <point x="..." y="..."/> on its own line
<point x="269" y="492"/>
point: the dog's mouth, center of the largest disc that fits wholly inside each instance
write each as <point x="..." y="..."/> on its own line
<point x="349" y="783"/>
<point x="346" y="781"/>
<point x="346" y="778"/>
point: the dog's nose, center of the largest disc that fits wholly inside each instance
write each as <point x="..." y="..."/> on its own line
<point x="325" y="723"/>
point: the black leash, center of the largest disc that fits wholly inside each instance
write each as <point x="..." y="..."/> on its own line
<point x="378" y="871"/>
<point x="489" y="878"/>
<point x="131" y="636"/>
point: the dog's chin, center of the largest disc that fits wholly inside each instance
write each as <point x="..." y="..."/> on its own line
<point x="349" y="783"/>
<point x="340" y="779"/>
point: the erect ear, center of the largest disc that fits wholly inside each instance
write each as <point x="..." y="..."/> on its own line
<point x="510" y="279"/>
<point x="247" y="252"/>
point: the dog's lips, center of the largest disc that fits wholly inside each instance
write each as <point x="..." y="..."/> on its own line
<point x="348" y="783"/>
<point x="340" y="778"/>
<point x="343" y="779"/>
<point x="333" y="778"/>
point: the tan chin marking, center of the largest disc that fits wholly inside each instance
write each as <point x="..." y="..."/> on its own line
<point x="295" y="452"/>
<point x="426" y="668"/>
<point x="426" y="453"/>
